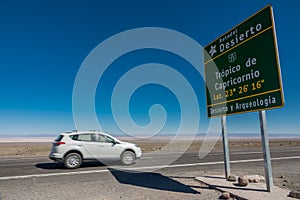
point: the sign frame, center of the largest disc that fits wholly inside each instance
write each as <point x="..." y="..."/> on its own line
<point x="220" y="103"/>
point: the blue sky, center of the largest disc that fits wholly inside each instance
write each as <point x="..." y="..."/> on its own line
<point x="43" y="44"/>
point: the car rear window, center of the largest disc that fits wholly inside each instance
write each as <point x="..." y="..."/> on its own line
<point x="74" y="137"/>
<point x="59" y="138"/>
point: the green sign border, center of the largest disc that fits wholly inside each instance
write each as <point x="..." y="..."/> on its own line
<point x="277" y="91"/>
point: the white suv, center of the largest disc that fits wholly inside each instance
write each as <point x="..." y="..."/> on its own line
<point x="72" y="148"/>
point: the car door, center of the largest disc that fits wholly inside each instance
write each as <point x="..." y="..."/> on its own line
<point x="108" y="148"/>
<point x="89" y="145"/>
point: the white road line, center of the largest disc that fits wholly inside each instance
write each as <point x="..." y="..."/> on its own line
<point x="255" y="152"/>
<point x="195" y="154"/>
<point x="140" y="168"/>
<point x="53" y="174"/>
<point x="146" y="157"/>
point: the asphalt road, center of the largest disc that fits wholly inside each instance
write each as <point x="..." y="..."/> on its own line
<point x="152" y="177"/>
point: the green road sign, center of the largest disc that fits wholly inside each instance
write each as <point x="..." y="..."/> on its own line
<point x="242" y="70"/>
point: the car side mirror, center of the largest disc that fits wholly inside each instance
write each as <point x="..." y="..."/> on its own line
<point x="115" y="142"/>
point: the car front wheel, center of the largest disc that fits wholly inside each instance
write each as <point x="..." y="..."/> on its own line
<point x="127" y="158"/>
<point x="73" y="160"/>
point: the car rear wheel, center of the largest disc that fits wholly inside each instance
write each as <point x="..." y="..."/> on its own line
<point x="73" y="160"/>
<point x="127" y="158"/>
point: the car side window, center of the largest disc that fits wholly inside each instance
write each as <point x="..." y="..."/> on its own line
<point x="85" y="137"/>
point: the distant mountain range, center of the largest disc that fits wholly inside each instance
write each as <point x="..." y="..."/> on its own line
<point x="231" y="135"/>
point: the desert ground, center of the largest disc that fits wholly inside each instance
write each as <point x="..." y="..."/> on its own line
<point x="42" y="147"/>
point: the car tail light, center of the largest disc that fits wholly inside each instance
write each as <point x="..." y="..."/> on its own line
<point x="58" y="143"/>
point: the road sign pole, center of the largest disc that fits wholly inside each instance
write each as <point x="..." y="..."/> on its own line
<point x="225" y="147"/>
<point x="266" y="150"/>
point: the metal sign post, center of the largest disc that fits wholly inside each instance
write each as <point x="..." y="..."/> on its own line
<point x="225" y="147"/>
<point x="266" y="150"/>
